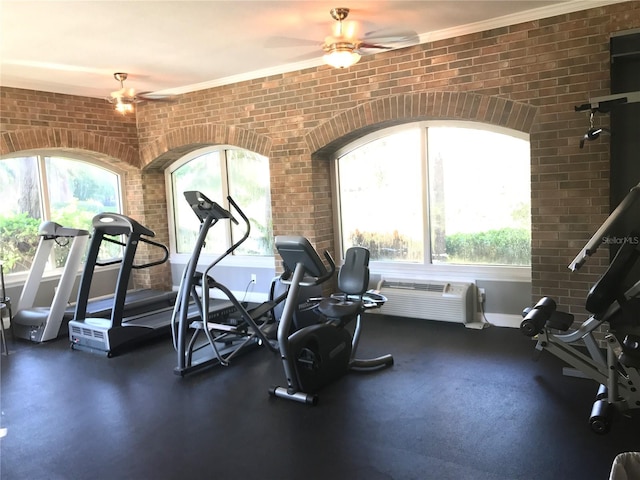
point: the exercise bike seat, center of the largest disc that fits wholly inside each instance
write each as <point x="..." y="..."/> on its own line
<point x="339" y="307"/>
<point x="353" y="282"/>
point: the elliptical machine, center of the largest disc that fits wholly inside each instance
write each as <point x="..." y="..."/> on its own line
<point x="316" y="355"/>
<point x="226" y="337"/>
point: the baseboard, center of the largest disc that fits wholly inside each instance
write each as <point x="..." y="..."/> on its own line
<point x="500" y="319"/>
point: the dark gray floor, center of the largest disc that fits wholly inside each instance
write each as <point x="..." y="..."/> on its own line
<point x="458" y="404"/>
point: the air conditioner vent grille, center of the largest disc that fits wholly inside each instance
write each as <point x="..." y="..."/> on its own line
<point x="430" y="300"/>
<point x="424" y="287"/>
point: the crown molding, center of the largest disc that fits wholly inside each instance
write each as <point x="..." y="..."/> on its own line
<point x="563" y="8"/>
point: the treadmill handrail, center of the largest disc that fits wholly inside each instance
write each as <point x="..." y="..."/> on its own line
<point x="51" y="230"/>
<point x="157" y="262"/>
<point x="140" y="266"/>
<point x="117" y="224"/>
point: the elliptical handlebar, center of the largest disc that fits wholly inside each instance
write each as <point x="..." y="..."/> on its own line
<point x="205" y="208"/>
<point x="247" y="224"/>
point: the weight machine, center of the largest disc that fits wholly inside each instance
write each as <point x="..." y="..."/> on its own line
<point x="614" y="304"/>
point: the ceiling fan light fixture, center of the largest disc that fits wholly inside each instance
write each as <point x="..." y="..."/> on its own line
<point x="341" y="56"/>
<point x="123" y="106"/>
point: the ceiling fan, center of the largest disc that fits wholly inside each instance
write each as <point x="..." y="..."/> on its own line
<point x="125" y="98"/>
<point x="344" y="47"/>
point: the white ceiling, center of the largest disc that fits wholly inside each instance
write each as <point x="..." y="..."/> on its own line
<point x="74" y="47"/>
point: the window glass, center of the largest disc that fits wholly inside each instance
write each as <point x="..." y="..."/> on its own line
<point x="202" y="173"/>
<point x="250" y="188"/>
<point x="78" y="191"/>
<point x="21" y="213"/>
<point x="479" y="197"/>
<point x="219" y="172"/>
<point x="380" y="192"/>
<point x="67" y="191"/>
<point x="464" y="199"/>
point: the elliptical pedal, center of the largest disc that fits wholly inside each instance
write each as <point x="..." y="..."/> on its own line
<point x="220" y="327"/>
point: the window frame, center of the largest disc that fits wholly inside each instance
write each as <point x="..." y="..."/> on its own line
<point x="258" y="261"/>
<point x="12" y="279"/>
<point x="426" y="269"/>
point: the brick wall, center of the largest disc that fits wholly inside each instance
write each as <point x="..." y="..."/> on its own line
<point x="32" y="121"/>
<point x="527" y="76"/>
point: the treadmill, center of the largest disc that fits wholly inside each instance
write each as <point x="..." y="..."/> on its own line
<point x="117" y="324"/>
<point x="41" y="324"/>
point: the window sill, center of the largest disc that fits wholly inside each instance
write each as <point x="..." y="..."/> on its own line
<point x="452" y="272"/>
<point x="229" y="261"/>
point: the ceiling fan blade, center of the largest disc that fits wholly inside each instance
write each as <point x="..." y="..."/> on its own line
<point x="364" y="45"/>
<point x="307" y="56"/>
<point x="153" y="97"/>
<point x="281" y="42"/>
<point x="393" y="36"/>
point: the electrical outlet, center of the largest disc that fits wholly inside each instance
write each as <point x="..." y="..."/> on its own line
<point x="482" y="296"/>
<point x="253" y="278"/>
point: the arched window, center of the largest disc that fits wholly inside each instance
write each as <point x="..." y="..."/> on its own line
<point x="41" y="187"/>
<point x="219" y="172"/>
<point x="437" y="194"/>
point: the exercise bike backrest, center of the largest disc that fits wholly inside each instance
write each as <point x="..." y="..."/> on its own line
<point x="297" y="252"/>
<point x="353" y="278"/>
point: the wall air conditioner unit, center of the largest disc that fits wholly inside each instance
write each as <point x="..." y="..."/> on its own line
<point x="429" y="300"/>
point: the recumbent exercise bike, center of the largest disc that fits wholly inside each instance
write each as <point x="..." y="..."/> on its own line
<point x="318" y="354"/>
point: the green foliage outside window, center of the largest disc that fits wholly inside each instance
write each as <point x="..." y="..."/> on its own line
<point x="76" y="190"/>
<point x="18" y="241"/>
<point x="507" y="246"/>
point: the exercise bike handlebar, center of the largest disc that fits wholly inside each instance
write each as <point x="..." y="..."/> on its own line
<point x="331" y="271"/>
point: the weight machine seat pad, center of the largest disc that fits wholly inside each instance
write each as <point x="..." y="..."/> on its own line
<point x="560" y="321"/>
